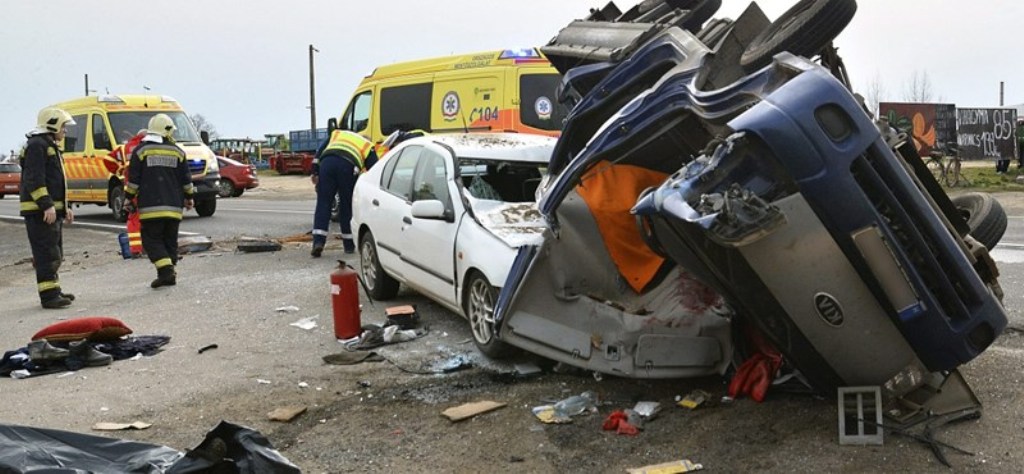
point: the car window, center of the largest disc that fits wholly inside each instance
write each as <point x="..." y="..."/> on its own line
<point x="430" y="182"/>
<point x="9" y="168"/>
<point x="100" y="139"/>
<point x="539" y="107"/>
<point x="74" y="140"/>
<point x="399" y="182"/>
<point x="358" y="114"/>
<point x="405" y="108"/>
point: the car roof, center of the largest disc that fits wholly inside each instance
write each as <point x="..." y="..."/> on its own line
<point x="231" y="161"/>
<point x="494" y="146"/>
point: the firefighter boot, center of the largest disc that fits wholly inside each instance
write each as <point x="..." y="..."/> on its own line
<point x="88" y="355"/>
<point x="317" y="251"/>
<point x="42" y="351"/>
<point x="59" y="301"/>
<point x="350" y="246"/>
<point x="165" y="276"/>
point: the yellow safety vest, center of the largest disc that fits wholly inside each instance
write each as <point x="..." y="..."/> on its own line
<point x="352" y="144"/>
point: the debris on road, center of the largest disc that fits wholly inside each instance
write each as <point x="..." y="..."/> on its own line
<point x="306" y="323"/>
<point x="252" y="246"/>
<point x="470" y="410"/>
<point x="619" y="422"/>
<point x="285" y="414"/>
<point x="207" y="347"/>
<point x="694" y="399"/>
<point x="110" y="426"/>
<point x="194" y="244"/>
<point x="674" y="467"/>
<point x="352" y="357"/>
<point x="563" y="411"/>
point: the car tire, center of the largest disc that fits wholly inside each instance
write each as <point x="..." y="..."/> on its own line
<point x="478" y="303"/>
<point x="699" y="14"/>
<point x="803" y="30"/>
<point x="1" y="196"/>
<point x="115" y="199"/>
<point x="206" y="207"/>
<point x="238" y="192"/>
<point x="985" y="217"/>
<point x="379" y="284"/>
<point x="225" y="188"/>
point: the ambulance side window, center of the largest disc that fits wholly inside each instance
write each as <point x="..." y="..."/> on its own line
<point x="100" y="138"/>
<point x="357" y="117"/>
<point x="74" y="140"/>
<point x="405" y="108"/>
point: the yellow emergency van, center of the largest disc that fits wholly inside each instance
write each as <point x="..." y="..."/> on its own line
<point x="498" y="91"/>
<point x="103" y="125"/>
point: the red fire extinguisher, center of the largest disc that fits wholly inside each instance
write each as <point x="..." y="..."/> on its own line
<point x="345" y="302"/>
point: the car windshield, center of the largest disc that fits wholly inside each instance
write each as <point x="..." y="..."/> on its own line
<point x="10" y="168"/>
<point x="127" y="124"/>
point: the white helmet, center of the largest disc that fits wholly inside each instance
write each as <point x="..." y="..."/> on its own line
<point x="52" y="120"/>
<point x="161" y="125"/>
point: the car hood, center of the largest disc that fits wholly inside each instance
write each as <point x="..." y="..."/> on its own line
<point x="516" y="224"/>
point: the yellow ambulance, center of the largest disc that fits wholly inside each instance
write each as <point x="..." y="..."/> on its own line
<point x="498" y="91"/>
<point x="103" y="124"/>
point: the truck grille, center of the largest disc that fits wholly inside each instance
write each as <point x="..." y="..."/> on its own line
<point x="916" y="237"/>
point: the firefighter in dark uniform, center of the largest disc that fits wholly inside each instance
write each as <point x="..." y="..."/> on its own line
<point x="336" y="167"/>
<point x="43" y="205"/>
<point x="158" y="176"/>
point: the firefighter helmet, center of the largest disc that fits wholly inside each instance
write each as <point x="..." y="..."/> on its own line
<point x="161" y="125"/>
<point x="52" y="120"/>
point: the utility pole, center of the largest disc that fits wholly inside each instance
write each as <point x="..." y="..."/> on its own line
<point x="1001" y="90"/>
<point x="86" y="85"/>
<point x="312" y="93"/>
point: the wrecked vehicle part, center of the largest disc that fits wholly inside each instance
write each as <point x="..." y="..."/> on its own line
<point x="803" y="30"/>
<point x="877" y="267"/>
<point x="985" y="217"/>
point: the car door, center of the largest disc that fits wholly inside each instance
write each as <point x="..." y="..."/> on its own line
<point x="429" y="262"/>
<point x="389" y="206"/>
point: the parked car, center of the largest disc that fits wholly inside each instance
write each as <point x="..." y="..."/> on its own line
<point x="750" y="173"/>
<point x="10" y="179"/>
<point x="235" y="177"/>
<point x="444" y="215"/>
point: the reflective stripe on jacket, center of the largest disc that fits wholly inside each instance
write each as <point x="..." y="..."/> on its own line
<point x="42" y="176"/>
<point x="158" y="174"/>
<point x="348" y="144"/>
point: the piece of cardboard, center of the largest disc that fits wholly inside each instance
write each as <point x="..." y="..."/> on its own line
<point x="110" y="426"/>
<point x="403" y="309"/>
<point x="470" y="410"/>
<point x="285" y="414"/>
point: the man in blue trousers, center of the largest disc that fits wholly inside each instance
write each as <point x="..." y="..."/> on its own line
<point x="336" y="167"/>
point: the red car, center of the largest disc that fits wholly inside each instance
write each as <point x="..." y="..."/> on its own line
<point x="236" y="177"/>
<point x="10" y="179"/>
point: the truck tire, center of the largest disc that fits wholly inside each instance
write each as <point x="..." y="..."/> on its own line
<point x="985" y="217"/>
<point x="115" y="199"/>
<point x="206" y="207"/>
<point x="803" y="30"/>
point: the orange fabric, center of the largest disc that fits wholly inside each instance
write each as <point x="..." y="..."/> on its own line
<point x="611" y="191"/>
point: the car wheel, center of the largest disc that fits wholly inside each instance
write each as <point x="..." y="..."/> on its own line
<point x="1" y="196"/>
<point x="478" y="303"/>
<point x="984" y="215"/>
<point x="238" y="192"/>
<point x="379" y="284"/>
<point x="225" y="188"/>
<point x="116" y="202"/>
<point x="699" y="14"/>
<point x="206" y="207"/>
<point x="803" y="30"/>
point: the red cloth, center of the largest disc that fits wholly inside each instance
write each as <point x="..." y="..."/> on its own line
<point x="755" y="375"/>
<point x="617" y="421"/>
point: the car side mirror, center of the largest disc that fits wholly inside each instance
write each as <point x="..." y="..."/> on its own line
<point x="429" y="209"/>
<point x="332" y="124"/>
<point x="205" y="137"/>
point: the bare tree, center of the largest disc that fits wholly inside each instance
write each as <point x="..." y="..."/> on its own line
<point x="918" y="88"/>
<point x="204" y="125"/>
<point x="874" y="93"/>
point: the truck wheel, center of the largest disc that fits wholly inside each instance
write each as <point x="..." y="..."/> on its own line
<point x="985" y="217"/>
<point x="803" y="30"/>
<point x="115" y="200"/>
<point x="225" y="188"/>
<point x="379" y="284"/>
<point x="478" y="303"/>
<point x="206" y="207"/>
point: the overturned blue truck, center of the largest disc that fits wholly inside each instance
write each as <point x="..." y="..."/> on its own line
<point x="715" y="175"/>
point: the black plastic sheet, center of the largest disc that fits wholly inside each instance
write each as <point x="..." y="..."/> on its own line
<point x="227" y="448"/>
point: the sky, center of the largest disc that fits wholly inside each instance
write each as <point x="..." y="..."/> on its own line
<point x="244" y="65"/>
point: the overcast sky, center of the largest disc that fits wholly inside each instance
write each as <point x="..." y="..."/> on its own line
<point x="244" y="65"/>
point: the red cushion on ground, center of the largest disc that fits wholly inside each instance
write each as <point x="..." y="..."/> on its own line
<point x="94" y="328"/>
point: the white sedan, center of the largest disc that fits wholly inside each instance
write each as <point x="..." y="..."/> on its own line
<point x="445" y="215"/>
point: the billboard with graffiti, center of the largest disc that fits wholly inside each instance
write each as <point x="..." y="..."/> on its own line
<point x="931" y="126"/>
<point x="987" y="134"/>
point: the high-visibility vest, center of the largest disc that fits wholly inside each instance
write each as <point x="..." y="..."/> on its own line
<point x="352" y="144"/>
